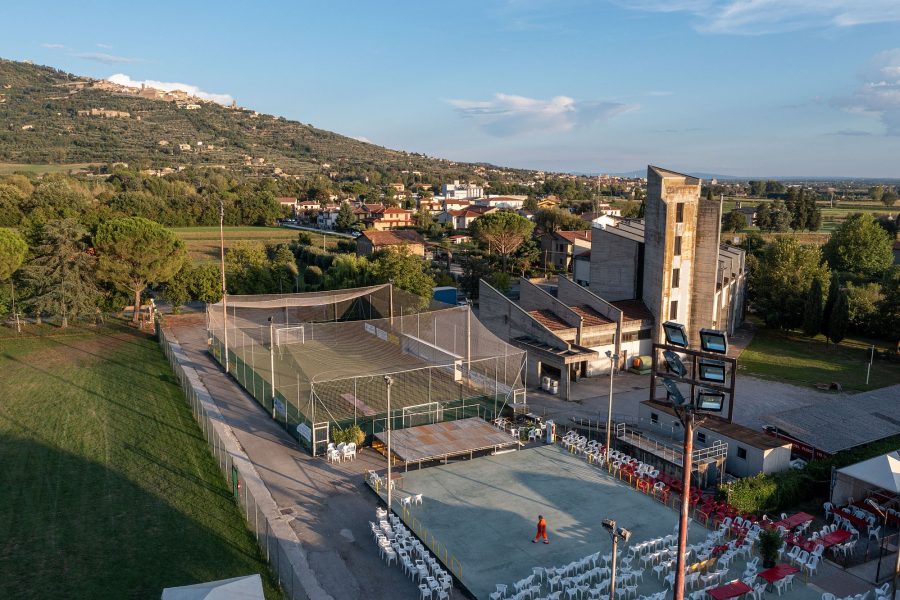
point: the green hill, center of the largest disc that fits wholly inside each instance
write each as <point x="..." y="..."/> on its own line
<point x="44" y="119"/>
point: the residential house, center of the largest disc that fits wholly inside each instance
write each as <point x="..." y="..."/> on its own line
<point x="393" y="218"/>
<point x="507" y="202"/>
<point x="373" y="241"/>
<point x="450" y="204"/>
<point x="560" y="247"/>
<point x="459" y="239"/>
<point x="548" y="202"/>
<point x="288" y="202"/>
<point x="601" y="219"/>
<point x="463" y="219"/>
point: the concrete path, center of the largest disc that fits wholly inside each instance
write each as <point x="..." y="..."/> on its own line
<point x="330" y="505"/>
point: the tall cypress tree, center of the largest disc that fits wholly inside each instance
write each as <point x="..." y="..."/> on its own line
<point x="834" y="290"/>
<point x="840" y="318"/>
<point x="813" y="309"/>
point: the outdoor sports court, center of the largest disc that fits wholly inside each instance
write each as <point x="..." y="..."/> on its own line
<point x="485" y="512"/>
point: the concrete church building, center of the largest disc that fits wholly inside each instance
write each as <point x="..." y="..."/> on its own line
<point x="670" y="265"/>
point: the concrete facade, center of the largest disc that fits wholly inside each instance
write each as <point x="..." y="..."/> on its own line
<point x="616" y="257"/>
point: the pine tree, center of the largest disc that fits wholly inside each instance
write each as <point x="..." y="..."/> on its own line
<point x="61" y="273"/>
<point x="840" y="318"/>
<point x="813" y="309"/>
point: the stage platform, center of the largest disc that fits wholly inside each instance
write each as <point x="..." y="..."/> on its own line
<point x="440" y="441"/>
<point x="480" y="514"/>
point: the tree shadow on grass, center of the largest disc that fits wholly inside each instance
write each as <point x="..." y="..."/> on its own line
<point x="71" y="527"/>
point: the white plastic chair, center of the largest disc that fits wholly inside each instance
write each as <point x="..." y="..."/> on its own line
<point x="417" y="499"/>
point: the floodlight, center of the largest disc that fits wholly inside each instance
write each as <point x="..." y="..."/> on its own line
<point x="609" y="525"/>
<point x="710" y="400"/>
<point x="713" y="341"/>
<point x="673" y="361"/>
<point x="623" y="533"/>
<point x="673" y="393"/>
<point x="712" y="370"/>
<point x="675" y="334"/>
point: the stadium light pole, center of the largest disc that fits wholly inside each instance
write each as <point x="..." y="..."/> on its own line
<point x="222" y="268"/>
<point x="613" y="359"/>
<point x="616" y="534"/>
<point x="272" y="359"/>
<point x="389" y="381"/>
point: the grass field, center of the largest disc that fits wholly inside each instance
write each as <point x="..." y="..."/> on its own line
<point x="109" y="490"/>
<point x="38" y="169"/>
<point x="203" y="242"/>
<point x="794" y="358"/>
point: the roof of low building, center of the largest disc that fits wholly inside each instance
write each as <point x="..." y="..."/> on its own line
<point x="393" y="238"/>
<point x="837" y="423"/>
<point x="751" y="437"/>
<point x="591" y="317"/>
<point x="396" y="211"/>
<point x="573" y="236"/>
<point x="549" y="319"/>
<point x="633" y="310"/>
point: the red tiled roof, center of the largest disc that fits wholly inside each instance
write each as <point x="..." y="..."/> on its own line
<point x="633" y="310"/>
<point x="571" y="236"/>
<point x="591" y="317"/>
<point x="393" y="238"/>
<point x="283" y="199"/>
<point x="549" y="319"/>
<point x="396" y="211"/>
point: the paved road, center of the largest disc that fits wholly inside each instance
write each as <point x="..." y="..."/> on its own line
<point x="330" y="504"/>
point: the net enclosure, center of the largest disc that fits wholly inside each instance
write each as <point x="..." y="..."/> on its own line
<point x="318" y="360"/>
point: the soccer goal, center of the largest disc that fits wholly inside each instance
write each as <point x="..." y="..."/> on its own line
<point x="422" y="414"/>
<point x="285" y="336"/>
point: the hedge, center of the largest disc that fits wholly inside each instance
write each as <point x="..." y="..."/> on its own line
<point x="781" y="491"/>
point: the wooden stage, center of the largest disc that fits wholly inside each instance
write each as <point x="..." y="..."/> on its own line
<point x="440" y="441"/>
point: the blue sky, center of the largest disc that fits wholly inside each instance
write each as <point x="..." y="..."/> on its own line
<point x="742" y="87"/>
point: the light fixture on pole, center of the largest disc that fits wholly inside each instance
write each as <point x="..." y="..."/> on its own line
<point x="613" y="360"/>
<point x="389" y="381"/>
<point x="616" y="534"/>
<point x="675" y="334"/>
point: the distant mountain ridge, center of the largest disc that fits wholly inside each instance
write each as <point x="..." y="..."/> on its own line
<point x="50" y="116"/>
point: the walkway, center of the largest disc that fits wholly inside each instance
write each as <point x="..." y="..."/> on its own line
<point x="328" y="505"/>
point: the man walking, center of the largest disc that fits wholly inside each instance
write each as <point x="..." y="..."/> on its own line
<point x="541" y="530"/>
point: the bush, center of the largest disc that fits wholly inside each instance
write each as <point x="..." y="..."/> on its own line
<point x="351" y="435"/>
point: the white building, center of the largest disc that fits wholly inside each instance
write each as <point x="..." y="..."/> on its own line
<point x="461" y="191"/>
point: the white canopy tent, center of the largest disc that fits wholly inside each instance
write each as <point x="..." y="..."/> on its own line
<point x="859" y="480"/>
<point x="237" y="588"/>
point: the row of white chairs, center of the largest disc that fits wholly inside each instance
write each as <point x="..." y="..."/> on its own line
<point x="397" y="544"/>
<point x="882" y="592"/>
<point x="341" y="452"/>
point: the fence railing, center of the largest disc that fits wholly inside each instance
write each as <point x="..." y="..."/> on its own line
<point x="236" y="472"/>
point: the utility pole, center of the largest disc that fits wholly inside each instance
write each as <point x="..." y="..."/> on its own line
<point x="617" y="534"/>
<point x="222" y="268"/>
<point x="389" y="381"/>
<point x="687" y="419"/>
<point x="272" y="360"/>
<point x="869" y="367"/>
<point x="613" y="359"/>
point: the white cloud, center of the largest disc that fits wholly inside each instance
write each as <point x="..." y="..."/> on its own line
<point x="104" y="46"/>
<point x="751" y="17"/>
<point x="109" y="59"/>
<point x="879" y="94"/>
<point x="660" y="93"/>
<point x="506" y="115"/>
<point x="53" y="46"/>
<point x="122" y="79"/>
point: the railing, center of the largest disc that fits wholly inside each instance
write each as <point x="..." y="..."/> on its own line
<point x="434" y="545"/>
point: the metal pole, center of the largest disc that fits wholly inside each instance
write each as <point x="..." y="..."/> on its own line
<point x="612" y="358"/>
<point x="222" y="268"/>
<point x="686" y="463"/>
<point x="612" y="578"/>
<point x="869" y="368"/>
<point x="272" y="360"/>
<point x="896" y="568"/>
<point x="389" y="381"/>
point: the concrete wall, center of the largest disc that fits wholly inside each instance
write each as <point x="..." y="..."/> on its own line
<point x="614" y="266"/>
<point x="507" y="321"/>
<point x="706" y="272"/>
<point x="532" y="297"/>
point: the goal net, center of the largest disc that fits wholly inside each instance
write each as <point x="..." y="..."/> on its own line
<point x="285" y="336"/>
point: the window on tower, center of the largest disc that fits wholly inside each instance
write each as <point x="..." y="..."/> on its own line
<point x="679" y="212"/>
<point x="677" y="245"/>
<point x="676" y="276"/>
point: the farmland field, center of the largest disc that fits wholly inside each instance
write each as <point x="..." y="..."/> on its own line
<point x="203" y="242"/>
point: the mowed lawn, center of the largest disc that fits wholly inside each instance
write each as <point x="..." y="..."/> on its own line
<point x="108" y="489"/>
<point x="794" y="358"/>
<point x="203" y="242"/>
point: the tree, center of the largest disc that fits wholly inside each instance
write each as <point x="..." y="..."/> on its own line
<point x="423" y="219"/>
<point x="889" y="307"/>
<point x="889" y="198"/>
<point x="863" y="301"/>
<point x="345" y="218"/>
<point x="177" y="290"/>
<point x="206" y="283"/>
<point x="781" y="217"/>
<point x="247" y="268"/>
<point x="284" y="269"/>
<point x="834" y="290"/>
<point x="61" y="273"/>
<point x="764" y="216"/>
<point x="813" y="309"/>
<point x="840" y="318"/>
<point x="549" y="220"/>
<point x="136" y="252"/>
<point x="859" y="246"/>
<point x="780" y="281"/>
<point x="502" y="232"/>
<point x="12" y="252"/>
<point x="876" y="193"/>
<point x="346" y="271"/>
<point x="312" y="276"/>
<point x="405" y="270"/>
<point x="733" y="221"/>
